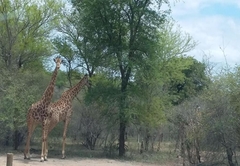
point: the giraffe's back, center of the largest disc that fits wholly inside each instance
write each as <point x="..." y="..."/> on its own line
<point x="60" y="110"/>
<point x="38" y="112"/>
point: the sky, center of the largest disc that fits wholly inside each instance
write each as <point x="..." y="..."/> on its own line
<point x="214" y="25"/>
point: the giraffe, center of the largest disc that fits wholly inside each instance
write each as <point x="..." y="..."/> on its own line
<point x="61" y="110"/>
<point x="37" y="113"/>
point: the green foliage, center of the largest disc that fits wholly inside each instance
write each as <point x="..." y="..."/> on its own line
<point x="61" y="79"/>
<point x="217" y="118"/>
<point x="105" y="93"/>
<point x="21" y="89"/>
<point x="232" y="85"/>
<point x="25" y="26"/>
<point x="192" y="81"/>
<point x="153" y="87"/>
<point x="116" y="28"/>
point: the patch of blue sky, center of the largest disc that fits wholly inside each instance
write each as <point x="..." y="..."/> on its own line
<point x="227" y="10"/>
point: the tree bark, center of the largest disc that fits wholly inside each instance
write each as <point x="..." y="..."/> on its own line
<point x="125" y="75"/>
<point x="122" y="138"/>
<point x="229" y="156"/>
<point x="17" y="139"/>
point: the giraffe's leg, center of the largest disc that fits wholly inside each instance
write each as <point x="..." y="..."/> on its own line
<point x="51" y="126"/>
<point x="64" y="137"/>
<point x="43" y="146"/>
<point x="46" y="148"/>
<point x="46" y="145"/>
<point x="31" y="128"/>
<point x="44" y="137"/>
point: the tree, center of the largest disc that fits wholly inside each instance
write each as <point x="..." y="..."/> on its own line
<point x="221" y="119"/>
<point x="25" y="26"/>
<point x="128" y="30"/>
<point x="151" y="92"/>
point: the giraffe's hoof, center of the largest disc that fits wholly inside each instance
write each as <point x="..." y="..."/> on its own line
<point x="45" y="159"/>
<point x="63" y="157"/>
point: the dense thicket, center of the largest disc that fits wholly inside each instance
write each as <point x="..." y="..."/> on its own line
<point x="24" y="43"/>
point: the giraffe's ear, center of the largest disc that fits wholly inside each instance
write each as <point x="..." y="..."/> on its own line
<point x="57" y="58"/>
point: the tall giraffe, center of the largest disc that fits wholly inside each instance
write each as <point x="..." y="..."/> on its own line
<point x="37" y="113"/>
<point x="61" y="110"/>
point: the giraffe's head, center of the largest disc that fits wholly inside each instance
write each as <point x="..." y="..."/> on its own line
<point x="86" y="80"/>
<point x="58" y="61"/>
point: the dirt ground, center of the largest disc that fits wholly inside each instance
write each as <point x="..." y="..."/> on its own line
<point x="35" y="161"/>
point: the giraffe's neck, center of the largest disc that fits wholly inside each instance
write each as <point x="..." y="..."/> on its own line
<point x="48" y="94"/>
<point x="71" y="93"/>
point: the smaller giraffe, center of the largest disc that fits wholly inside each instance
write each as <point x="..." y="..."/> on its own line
<point x="37" y="113"/>
<point x="61" y="110"/>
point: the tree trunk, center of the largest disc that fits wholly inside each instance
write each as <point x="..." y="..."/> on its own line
<point x="229" y="156"/>
<point x="197" y="147"/>
<point x="122" y="138"/>
<point x="147" y="139"/>
<point x="142" y="146"/>
<point x="125" y="75"/>
<point x="7" y="140"/>
<point x="159" y="141"/>
<point x="17" y="139"/>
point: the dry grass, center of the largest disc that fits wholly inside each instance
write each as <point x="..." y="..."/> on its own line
<point x="165" y="156"/>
